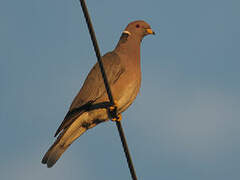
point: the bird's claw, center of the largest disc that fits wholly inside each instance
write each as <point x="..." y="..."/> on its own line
<point x="118" y="118"/>
<point x="113" y="112"/>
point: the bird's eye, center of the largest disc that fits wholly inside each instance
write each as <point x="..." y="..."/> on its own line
<point x="137" y="26"/>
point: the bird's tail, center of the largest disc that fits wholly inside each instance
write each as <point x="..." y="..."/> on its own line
<point x="65" y="139"/>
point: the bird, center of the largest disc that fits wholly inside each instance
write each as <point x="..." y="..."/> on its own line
<point x="89" y="107"/>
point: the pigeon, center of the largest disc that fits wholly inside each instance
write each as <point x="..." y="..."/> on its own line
<point x="90" y="106"/>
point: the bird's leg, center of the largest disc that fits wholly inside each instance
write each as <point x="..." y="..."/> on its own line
<point x="113" y="112"/>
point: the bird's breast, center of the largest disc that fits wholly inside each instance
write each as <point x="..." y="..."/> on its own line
<point x="126" y="94"/>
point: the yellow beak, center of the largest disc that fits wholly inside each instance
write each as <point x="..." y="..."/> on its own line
<point x="150" y="31"/>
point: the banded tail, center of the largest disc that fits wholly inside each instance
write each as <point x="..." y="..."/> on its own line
<point x="66" y="138"/>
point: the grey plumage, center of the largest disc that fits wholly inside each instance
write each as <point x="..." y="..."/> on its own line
<point x="123" y="71"/>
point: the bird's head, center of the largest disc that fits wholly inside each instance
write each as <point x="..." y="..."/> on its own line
<point x="139" y="29"/>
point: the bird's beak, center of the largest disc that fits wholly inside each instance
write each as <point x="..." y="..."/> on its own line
<point x="150" y="31"/>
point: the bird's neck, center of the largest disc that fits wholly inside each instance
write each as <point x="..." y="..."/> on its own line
<point x="129" y="47"/>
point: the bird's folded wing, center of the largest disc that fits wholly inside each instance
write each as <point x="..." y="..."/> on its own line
<point x="71" y="116"/>
<point x="93" y="87"/>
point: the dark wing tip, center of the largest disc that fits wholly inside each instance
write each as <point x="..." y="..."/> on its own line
<point x="72" y="115"/>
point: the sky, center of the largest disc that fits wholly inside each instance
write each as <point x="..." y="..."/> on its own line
<point x="184" y="124"/>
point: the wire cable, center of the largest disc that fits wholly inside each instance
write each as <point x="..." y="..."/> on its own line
<point x="98" y="54"/>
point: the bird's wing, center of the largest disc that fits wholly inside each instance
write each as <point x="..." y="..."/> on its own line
<point x="93" y="87"/>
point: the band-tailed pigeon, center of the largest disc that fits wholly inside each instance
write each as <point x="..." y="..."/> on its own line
<point x="123" y="70"/>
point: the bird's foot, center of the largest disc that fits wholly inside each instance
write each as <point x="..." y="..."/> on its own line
<point x="118" y="118"/>
<point x="113" y="112"/>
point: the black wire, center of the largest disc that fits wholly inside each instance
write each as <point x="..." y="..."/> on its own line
<point x="127" y="153"/>
<point x="98" y="54"/>
<point x="97" y="50"/>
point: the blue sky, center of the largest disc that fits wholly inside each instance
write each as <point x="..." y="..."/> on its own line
<point x="183" y="125"/>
